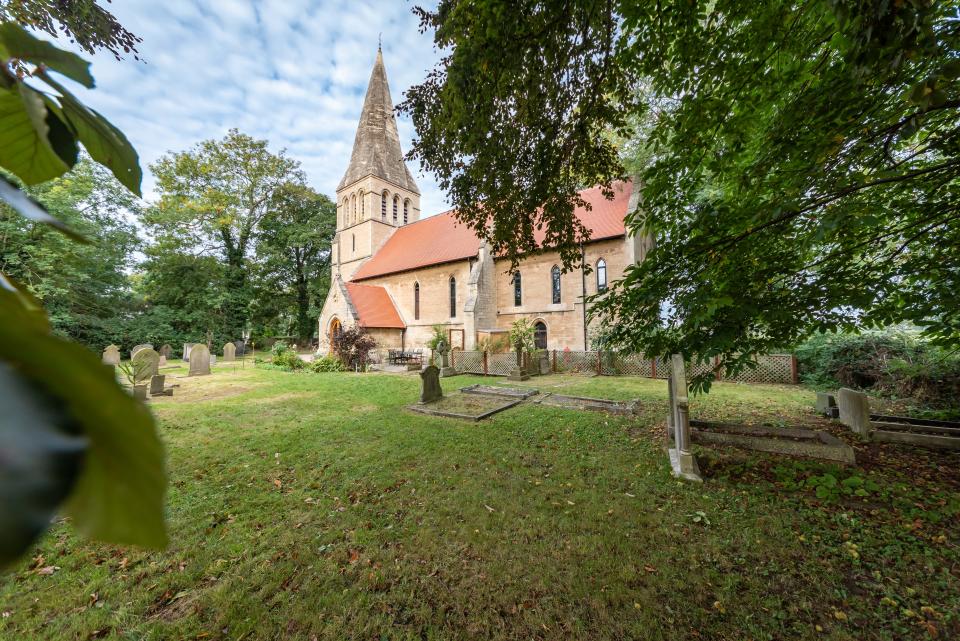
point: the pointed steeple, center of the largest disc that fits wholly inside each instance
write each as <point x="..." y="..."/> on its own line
<point x="376" y="148"/>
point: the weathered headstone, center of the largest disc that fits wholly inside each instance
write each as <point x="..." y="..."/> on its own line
<point x="229" y="352"/>
<point x="146" y="363"/>
<point x="430" y="389"/>
<point x="444" y="350"/>
<point x="855" y="411"/>
<point x="165" y="350"/>
<point x="137" y="348"/>
<point x="241" y="348"/>
<point x="186" y="350"/>
<point x="156" y="384"/>
<point x="163" y="361"/>
<point x="111" y="355"/>
<point x="213" y="358"/>
<point x="825" y="403"/>
<point x="682" y="461"/>
<point x="518" y="373"/>
<point x="199" y="360"/>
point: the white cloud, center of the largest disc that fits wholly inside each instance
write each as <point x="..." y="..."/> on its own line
<point x="291" y="71"/>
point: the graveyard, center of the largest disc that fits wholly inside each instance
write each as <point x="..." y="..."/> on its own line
<point x="319" y="505"/>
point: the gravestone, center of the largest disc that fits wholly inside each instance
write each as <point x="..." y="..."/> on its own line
<point x="229" y="352"/>
<point x="825" y="404"/>
<point x="145" y="363"/>
<point x="163" y="361"/>
<point x="682" y="461"/>
<point x="430" y="389"/>
<point x="111" y="355"/>
<point x="186" y="350"/>
<point x="518" y="373"/>
<point x="444" y="350"/>
<point x="855" y="411"/>
<point x="199" y="360"/>
<point x="137" y="348"/>
<point x="241" y="348"/>
<point x="156" y="384"/>
<point x="165" y="350"/>
<point x="213" y="358"/>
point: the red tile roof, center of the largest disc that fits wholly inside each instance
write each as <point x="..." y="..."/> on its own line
<point x="374" y="306"/>
<point x="441" y="239"/>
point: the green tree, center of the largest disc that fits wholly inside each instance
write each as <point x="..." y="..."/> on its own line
<point x="83" y="287"/>
<point x="799" y="169"/>
<point x="294" y="253"/>
<point x="214" y="198"/>
<point x="82" y="21"/>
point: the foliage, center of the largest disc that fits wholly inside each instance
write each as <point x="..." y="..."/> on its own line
<point x="288" y="359"/>
<point x="495" y="344"/>
<point x="894" y="362"/>
<point x="279" y="347"/>
<point x="215" y="197"/>
<point x="353" y="346"/>
<point x="438" y="333"/>
<point x="326" y="364"/>
<point x="65" y="409"/>
<point x="294" y="257"/>
<point x="82" y="21"/>
<point x="523" y="333"/>
<point x="798" y="175"/>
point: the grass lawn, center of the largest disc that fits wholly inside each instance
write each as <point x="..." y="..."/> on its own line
<point x="310" y="506"/>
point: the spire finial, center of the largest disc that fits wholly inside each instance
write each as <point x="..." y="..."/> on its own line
<point x="380" y="41"/>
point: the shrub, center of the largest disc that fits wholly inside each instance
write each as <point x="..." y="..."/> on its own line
<point x="279" y="348"/>
<point x="326" y="364"/>
<point x="522" y="332"/>
<point x="496" y="344"/>
<point x="353" y="347"/>
<point x="289" y="360"/>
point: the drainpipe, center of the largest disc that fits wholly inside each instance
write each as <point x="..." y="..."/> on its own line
<point x="583" y="279"/>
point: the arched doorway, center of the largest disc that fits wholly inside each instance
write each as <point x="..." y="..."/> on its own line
<point x="540" y="335"/>
<point x="335" y="330"/>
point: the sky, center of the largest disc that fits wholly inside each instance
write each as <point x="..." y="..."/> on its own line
<point x="293" y="72"/>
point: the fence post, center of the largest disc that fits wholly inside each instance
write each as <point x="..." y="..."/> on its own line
<point x="453" y="360"/>
<point x="653" y="368"/>
<point x="554" y="368"/>
<point x="717" y="374"/>
<point x="793" y="369"/>
<point x="485" y="370"/>
<point x="599" y="363"/>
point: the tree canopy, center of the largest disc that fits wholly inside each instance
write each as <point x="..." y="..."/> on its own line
<point x="82" y="21"/>
<point x="798" y="159"/>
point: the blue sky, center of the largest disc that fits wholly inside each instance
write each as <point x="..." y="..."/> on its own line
<point x="291" y="71"/>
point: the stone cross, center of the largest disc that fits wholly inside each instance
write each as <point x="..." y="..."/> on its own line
<point x="430" y="389"/>
<point x="519" y="373"/>
<point x="111" y="355"/>
<point x="199" y="360"/>
<point x="229" y="352"/>
<point x="137" y="348"/>
<point x="146" y="363"/>
<point x="683" y="463"/>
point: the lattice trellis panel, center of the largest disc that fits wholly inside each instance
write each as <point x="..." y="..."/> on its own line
<point x="771" y="368"/>
<point x="571" y="362"/>
<point x="468" y="362"/>
<point x="634" y="365"/>
<point x="501" y="364"/>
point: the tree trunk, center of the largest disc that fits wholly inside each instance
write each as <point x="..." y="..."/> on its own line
<point x="304" y="324"/>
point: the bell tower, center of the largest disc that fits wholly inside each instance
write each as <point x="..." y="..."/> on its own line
<point x="377" y="194"/>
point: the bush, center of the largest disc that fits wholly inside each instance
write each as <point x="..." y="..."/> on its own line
<point x="279" y="348"/>
<point x="353" y="348"/>
<point x="893" y="362"/>
<point x="326" y="364"/>
<point x="289" y="360"/>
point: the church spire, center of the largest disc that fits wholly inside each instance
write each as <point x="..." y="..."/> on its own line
<point x="376" y="147"/>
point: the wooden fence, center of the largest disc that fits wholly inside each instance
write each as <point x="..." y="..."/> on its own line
<point x="770" y="368"/>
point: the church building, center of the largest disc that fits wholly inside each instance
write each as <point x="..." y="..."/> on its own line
<point x="398" y="274"/>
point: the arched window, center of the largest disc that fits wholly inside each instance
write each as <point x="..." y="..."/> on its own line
<point x="363" y="206"/>
<point x="353" y="206"/>
<point x="406" y="211"/>
<point x="353" y="241"/>
<point x="453" y="297"/>
<point x="416" y="301"/>
<point x="396" y="207"/>
<point x="517" y="290"/>
<point x="336" y="329"/>
<point x="383" y="206"/>
<point x="555" y="284"/>
<point x="540" y="335"/>
<point x="601" y="275"/>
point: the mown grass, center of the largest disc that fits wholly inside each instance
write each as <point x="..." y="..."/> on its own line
<point x="316" y="506"/>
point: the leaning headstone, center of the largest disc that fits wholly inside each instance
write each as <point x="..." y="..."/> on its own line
<point x="229" y="352"/>
<point x="682" y="461"/>
<point x="199" y="360"/>
<point x="145" y="363"/>
<point x="165" y="350"/>
<point x="430" y="389"/>
<point x="137" y="348"/>
<point x="186" y="351"/>
<point x="111" y="355"/>
<point x="825" y="403"/>
<point x="855" y="411"/>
